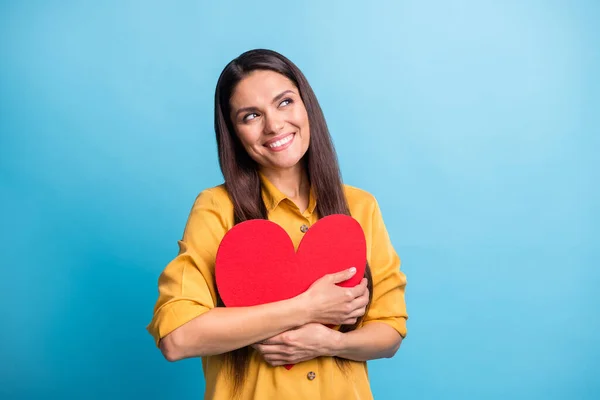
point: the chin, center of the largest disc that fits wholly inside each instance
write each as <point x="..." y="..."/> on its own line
<point x="285" y="164"/>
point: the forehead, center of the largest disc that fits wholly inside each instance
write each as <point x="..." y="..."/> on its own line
<point x="260" y="87"/>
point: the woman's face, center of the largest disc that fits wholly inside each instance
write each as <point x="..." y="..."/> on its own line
<point x="270" y="119"/>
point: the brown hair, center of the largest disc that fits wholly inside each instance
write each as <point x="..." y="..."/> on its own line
<point x="241" y="171"/>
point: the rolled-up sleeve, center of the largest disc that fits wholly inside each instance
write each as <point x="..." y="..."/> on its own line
<point x="388" y="305"/>
<point x="186" y="286"/>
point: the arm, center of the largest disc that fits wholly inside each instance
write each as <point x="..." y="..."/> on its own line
<point x="370" y="342"/>
<point x="224" y="329"/>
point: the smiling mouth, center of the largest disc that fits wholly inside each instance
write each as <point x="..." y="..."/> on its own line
<point x="280" y="143"/>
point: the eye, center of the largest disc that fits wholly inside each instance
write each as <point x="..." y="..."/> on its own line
<point x="249" y="117"/>
<point x="286" y="102"/>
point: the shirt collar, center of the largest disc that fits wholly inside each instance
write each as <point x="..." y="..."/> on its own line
<point x="273" y="196"/>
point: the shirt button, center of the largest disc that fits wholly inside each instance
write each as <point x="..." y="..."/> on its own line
<point x="311" y="375"/>
<point x="304" y="228"/>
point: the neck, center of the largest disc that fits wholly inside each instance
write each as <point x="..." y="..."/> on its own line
<point x="293" y="182"/>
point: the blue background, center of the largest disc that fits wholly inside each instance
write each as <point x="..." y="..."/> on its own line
<point x="475" y="124"/>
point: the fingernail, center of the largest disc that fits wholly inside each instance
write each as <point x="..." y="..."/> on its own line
<point x="352" y="270"/>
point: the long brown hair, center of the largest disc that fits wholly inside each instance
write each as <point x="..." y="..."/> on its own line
<point x="241" y="171"/>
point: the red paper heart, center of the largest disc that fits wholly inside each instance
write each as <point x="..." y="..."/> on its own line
<point x="256" y="262"/>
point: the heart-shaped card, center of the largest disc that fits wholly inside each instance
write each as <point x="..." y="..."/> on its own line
<point x="256" y="262"/>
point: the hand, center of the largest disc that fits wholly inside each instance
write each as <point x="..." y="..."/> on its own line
<point x="331" y="304"/>
<point x="297" y="345"/>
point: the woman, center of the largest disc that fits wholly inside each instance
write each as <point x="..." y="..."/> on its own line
<point x="278" y="161"/>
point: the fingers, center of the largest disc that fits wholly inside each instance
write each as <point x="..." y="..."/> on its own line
<point x="354" y="316"/>
<point x="358" y="313"/>
<point x="274" y="351"/>
<point x="359" y="303"/>
<point x="363" y="299"/>
<point x="274" y="340"/>
<point x="343" y="275"/>
<point x="277" y="361"/>
<point x="360" y="289"/>
<point x="358" y="306"/>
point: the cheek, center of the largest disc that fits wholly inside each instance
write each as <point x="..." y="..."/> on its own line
<point x="301" y="119"/>
<point x="306" y="128"/>
<point x="247" y="136"/>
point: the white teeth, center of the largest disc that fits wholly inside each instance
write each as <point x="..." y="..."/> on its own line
<point x="281" y="142"/>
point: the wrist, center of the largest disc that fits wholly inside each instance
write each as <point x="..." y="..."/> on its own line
<point x="337" y="343"/>
<point x="301" y="309"/>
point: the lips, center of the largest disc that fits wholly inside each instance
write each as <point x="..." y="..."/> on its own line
<point x="280" y="142"/>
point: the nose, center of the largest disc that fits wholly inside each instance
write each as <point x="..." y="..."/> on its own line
<point x="273" y="124"/>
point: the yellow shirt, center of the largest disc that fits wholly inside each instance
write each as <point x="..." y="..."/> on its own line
<point x="187" y="289"/>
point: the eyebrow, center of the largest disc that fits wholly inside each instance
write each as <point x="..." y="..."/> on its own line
<point x="275" y="99"/>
